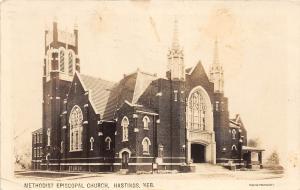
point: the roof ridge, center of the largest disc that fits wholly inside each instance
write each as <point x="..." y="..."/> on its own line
<point x="96" y="78"/>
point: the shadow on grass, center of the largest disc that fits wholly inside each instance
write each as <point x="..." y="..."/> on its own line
<point x="45" y="174"/>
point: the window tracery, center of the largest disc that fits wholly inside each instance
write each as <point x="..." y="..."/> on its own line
<point x="125" y="124"/>
<point x="146" y="145"/>
<point x="197" y="111"/>
<point x="75" y="121"/>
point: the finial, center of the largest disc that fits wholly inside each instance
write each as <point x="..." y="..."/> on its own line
<point x="47" y="28"/>
<point x="55" y="19"/>
<point x="216" y="52"/>
<point x="75" y="24"/>
<point x="175" y="43"/>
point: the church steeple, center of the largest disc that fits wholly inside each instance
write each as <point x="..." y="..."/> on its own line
<point x="175" y="57"/>
<point x="216" y="71"/>
<point x="175" y="42"/>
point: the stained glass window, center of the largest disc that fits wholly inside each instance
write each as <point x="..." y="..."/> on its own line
<point x="146" y="121"/>
<point x="75" y="121"/>
<point x="197" y="111"/>
<point x="62" y="60"/>
<point x="125" y="124"/>
<point x="146" y="143"/>
<point x="70" y="56"/>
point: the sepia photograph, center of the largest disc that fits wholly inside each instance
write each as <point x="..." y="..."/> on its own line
<point x="150" y="94"/>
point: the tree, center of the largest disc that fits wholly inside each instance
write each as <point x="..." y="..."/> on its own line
<point x="254" y="142"/>
<point x="273" y="158"/>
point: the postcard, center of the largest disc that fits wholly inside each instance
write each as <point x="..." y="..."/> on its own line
<point x="150" y="95"/>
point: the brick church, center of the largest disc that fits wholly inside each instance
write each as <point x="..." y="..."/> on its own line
<point x="142" y="121"/>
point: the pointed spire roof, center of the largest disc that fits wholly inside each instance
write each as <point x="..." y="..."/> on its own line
<point x="175" y="42"/>
<point x="216" y="53"/>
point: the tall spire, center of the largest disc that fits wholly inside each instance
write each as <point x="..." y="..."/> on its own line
<point x="175" y="42"/>
<point x="216" y="71"/>
<point x="216" y="53"/>
<point x="175" y="57"/>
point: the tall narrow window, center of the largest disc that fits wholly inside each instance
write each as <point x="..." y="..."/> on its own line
<point x="75" y="121"/>
<point x="48" y="62"/>
<point x="33" y="139"/>
<point x="175" y="95"/>
<point x="92" y="143"/>
<point x="62" y="147"/>
<point x="217" y="105"/>
<point x="197" y="111"/>
<point x="146" y="145"/>
<point x="125" y="124"/>
<point x="48" y="136"/>
<point x="233" y="133"/>
<point x="146" y="121"/>
<point x="160" y="151"/>
<point x="108" y="143"/>
<point x="62" y="60"/>
<point x="70" y="60"/>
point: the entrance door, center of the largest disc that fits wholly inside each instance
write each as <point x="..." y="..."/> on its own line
<point x="125" y="160"/>
<point x="198" y="153"/>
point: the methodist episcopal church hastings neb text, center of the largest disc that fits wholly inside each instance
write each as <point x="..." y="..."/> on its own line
<point x="141" y="122"/>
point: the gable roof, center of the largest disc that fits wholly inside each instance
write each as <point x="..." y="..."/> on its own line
<point x="143" y="80"/>
<point x="99" y="92"/>
<point x="105" y="96"/>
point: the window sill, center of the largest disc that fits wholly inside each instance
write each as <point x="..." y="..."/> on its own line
<point x="146" y="129"/>
<point x="125" y="140"/>
<point x="75" y="150"/>
<point x="146" y="153"/>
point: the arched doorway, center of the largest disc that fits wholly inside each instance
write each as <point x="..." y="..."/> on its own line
<point x="125" y="160"/>
<point x="197" y="153"/>
<point x="199" y="122"/>
<point x="124" y="155"/>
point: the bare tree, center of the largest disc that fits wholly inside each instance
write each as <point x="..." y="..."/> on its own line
<point x="273" y="159"/>
<point x="254" y="142"/>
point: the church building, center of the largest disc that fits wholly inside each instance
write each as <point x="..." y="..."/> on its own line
<point x="141" y="122"/>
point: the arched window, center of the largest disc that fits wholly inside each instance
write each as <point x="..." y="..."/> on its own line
<point x="108" y="143"/>
<point x="75" y="121"/>
<point x="62" y="147"/>
<point x="125" y="124"/>
<point x="197" y="111"/>
<point x="70" y="62"/>
<point x="48" y="136"/>
<point x="233" y="133"/>
<point x="146" y="122"/>
<point x="234" y="148"/>
<point x="160" y="151"/>
<point x="146" y="144"/>
<point x="92" y="143"/>
<point x="62" y="60"/>
<point x="48" y="62"/>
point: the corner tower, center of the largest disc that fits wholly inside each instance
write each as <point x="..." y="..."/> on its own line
<point x="174" y="106"/>
<point x="60" y="64"/>
<point x="176" y="70"/>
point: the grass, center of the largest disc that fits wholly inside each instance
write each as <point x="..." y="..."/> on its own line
<point x="45" y="174"/>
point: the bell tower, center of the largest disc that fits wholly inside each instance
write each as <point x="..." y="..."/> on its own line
<point x="176" y="70"/>
<point x="61" y="61"/>
<point x="216" y="72"/>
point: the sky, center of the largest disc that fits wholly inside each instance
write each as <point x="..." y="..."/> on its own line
<point x="258" y="48"/>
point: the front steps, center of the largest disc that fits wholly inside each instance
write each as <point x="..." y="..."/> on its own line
<point x="123" y="171"/>
<point x="208" y="168"/>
